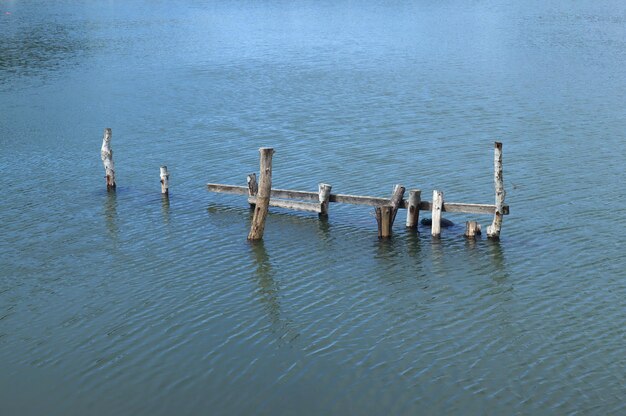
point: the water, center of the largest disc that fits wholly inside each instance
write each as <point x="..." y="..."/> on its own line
<point x="126" y="303"/>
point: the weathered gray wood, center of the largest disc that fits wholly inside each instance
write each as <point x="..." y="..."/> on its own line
<point x="383" y="218"/>
<point x="493" y="231"/>
<point x="413" y="208"/>
<point x="324" y="198"/>
<point x="436" y="213"/>
<point x="290" y="204"/>
<point x="472" y="229"/>
<point x="253" y="188"/>
<point x="360" y="200"/>
<point x="106" y="154"/>
<point x="395" y="201"/>
<point x="263" y="196"/>
<point x="165" y="180"/>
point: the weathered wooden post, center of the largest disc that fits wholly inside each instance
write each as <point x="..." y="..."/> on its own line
<point x="436" y="216"/>
<point x="253" y="188"/>
<point x="324" y="197"/>
<point x="165" y="181"/>
<point x="493" y="231"/>
<point x="413" y="210"/>
<point x="263" y="195"/>
<point x="384" y="216"/>
<point x="472" y="229"/>
<point x="106" y="154"/>
<point x="395" y="201"/>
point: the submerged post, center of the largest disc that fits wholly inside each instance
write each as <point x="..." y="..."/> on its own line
<point x="436" y="216"/>
<point x="165" y="181"/>
<point x="493" y="231"/>
<point x="106" y="154"/>
<point x="413" y="211"/>
<point x="324" y="197"/>
<point x="263" y="196"/>
<point x="384" y="215"/>
<point x="472" y="229"/>
<point x="253" y="188"/>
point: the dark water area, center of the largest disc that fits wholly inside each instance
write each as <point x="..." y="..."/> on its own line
<point x="128" y="303"/>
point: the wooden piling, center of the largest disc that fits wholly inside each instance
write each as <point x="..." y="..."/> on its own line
<point x="384" y="214"/>
<point x="493" y="231"/>
<point x="472" y="229"/>
<point x="263" y="195"/>
<point x="436" y="213"/>
<point x="324" y="197"/>
<point x="106" y="154"/>
<point x="253" y="188"/>
<point x="165" y="181"/>
<point x="413" y="209"/>
<point x="395" y="201"/>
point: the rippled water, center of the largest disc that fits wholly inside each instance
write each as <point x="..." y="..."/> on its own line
<point x="125" y="303"/>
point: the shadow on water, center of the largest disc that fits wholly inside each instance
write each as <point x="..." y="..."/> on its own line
<point x="268" y="291"/>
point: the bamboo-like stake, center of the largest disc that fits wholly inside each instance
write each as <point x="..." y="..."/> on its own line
<point x="493" y="231"/>
<point x="253" y="188"/>
<point x="472" y="229"/>
<point x="165" y="181"/>
<point x="395" y="201"/>
<point x="436" y="216"/>
<point x="106" y="154"/>
<point x="263" y="196"/>
<point x="413" y="210"/>
<point x="324" y="196"/>
<point x="384" y="215"/>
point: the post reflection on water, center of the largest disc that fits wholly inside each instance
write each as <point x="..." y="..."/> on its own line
<point x="110" y="216"/>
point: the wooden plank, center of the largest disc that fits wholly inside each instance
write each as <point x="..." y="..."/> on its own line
<point x="361" y="200"/>
<point x="493" y="231"/>
<point x="291" y="204"/>
<point x="437" y="206"/>
<point x="263" y="196"/>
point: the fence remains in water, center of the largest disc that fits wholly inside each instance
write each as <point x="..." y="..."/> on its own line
<point x="385" y="208"/>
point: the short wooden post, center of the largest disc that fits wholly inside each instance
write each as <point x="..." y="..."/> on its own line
<point x="384" y="215"/>
<point x="106" y="153"/>
<point x="253" y="188"/>
<point x="263" y="195"/>
<point x="493" y="231"/>
<point x="436" y="215"/>
<point x="413" y="211"/>
<point x="472" y="229"/>
<point x="165" y="181"/>
<point x="395" y="201"/>
<point x="324" y="197"/>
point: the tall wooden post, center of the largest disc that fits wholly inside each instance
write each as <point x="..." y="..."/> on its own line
<point x="263" y="196"/>
<point x="384" y="215"/>
<point x="413" y="211"/>
<point x="165" y="181"/>
<point x="493" y="231"/>
<point x="253" y="188"/>
<point x="324" y="197"/>
<point x="106" y="154"/>
<point x="436" y="216"/>
<point x="395" y="200"/>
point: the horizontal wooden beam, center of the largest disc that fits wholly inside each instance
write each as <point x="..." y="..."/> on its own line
<point x="291" y="204"/>
<point x="352" y="199"/>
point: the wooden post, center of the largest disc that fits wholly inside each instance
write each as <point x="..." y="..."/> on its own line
<point x="253" y="188"/>
<point x="436" y="216"/>
<point x="493" y="231"/>
<point x="413" y="210"/>
<point x="263" y="196"/>
<point x="472" y="229"/>
<point x="395" y="201"/>
<point x="324" y="196"/>
<point x="165" y="181"/>
<point x="106" y="154"/>
<point x="384" y="215"/>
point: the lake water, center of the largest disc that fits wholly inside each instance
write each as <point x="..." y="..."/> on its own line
<point x="125" y="303"/>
